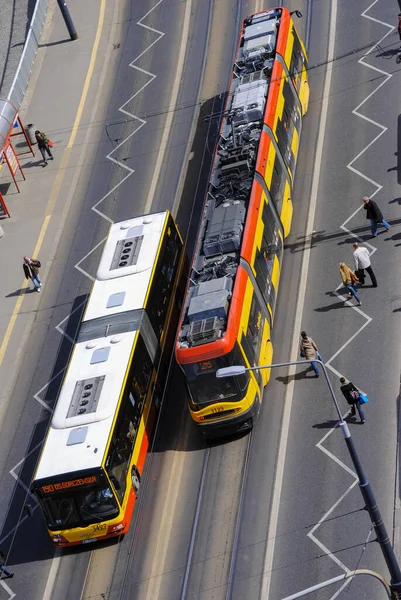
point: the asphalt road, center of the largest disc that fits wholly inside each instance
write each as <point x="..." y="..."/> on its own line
<point x="15" y="16"/>
<point x="323" y="528"/>
<point x="154" y="561"/>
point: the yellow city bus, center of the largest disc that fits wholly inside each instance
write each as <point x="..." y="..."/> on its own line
<point x="230" y="300"/>
<point x="89" y="471"/>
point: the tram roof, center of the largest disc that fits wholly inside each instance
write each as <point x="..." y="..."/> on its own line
<point x="77" y="439"/>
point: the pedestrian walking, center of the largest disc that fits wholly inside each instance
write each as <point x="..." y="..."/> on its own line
<point x="3" y="568"/>
<point x="43" y="145"/>
<point x="362" y="262"/>
<point x="349" y="279"/>
<point x="374" y="214"/>
<point x="31" y="270"/>
<point x="309" y="350"/>
<point x="352" y="396"/>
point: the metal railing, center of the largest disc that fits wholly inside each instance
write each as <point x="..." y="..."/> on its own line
<point x="24" y="70"/>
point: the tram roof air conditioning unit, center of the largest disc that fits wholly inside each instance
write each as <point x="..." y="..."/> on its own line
<point x="249" y="101"/>
<point x="205" y="330"/>
<point x="258" y="35"/>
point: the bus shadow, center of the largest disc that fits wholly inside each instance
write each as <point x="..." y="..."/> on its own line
<point x="176" y="430"/>
<point x="24" y="520"/>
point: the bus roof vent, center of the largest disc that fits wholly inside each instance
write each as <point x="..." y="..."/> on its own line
<point x="77" y="436"/>
<point x="115" y="300"/>
<point x="206" y="330"/>
<point x="127" y="251"/>
<point x="86" y="396"/>
<point x="100" y="355"/>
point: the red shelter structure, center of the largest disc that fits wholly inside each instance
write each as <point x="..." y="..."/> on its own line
<point x="9" y="120"/>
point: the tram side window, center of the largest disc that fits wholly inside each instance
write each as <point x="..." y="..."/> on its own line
<point x="126" y="429"/>
<point x="277" y="184"/>
<point x="163" y="279"/>
<point x="271" y="246"/>
<point x="297" y="60"/>
<point x="291" y="115"/>
<point x="252" y="340"/>
<point x="285" y="125"/>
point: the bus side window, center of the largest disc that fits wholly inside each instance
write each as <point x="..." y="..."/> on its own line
<point x="126" y="429"/>
<point x="166" y="269"/>
<point x="120" y="450"/>
<point x="141" y="373"/>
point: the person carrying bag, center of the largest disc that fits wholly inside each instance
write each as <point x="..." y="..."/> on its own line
<point x="354" y="397"/>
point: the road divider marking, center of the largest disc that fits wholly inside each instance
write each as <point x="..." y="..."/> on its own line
<point x="173" y="101"/>
<point x="141" y="122"/>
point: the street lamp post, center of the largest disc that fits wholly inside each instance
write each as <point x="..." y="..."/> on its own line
<point x="364" y="485"/>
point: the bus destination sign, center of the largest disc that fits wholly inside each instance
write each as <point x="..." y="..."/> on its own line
<point x="65" y="485"/>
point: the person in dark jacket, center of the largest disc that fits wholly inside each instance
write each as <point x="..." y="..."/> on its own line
<point x="43" y="145"/>
<point x="309" y="350"/>
<point x="31" y="270"/>
<point x="352" y="396"/>
<point x="374" y="214"/>
<point x="3" y="568"/>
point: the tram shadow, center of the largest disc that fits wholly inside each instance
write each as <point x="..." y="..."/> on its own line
<point x="23" y="520"/>
<point x="199" y="167"/>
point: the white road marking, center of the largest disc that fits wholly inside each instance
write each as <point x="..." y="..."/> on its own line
<point x="378" y="187"/>
<point x="173" y="101"/>
<point x="48" y="593"/>
<point x="278" y="480"/>
<point x="356" y="112"/>
<point x="141" y="122"/>
<point x="58" y="327"/>
<point x="9" y="591"/>
<point x="165" y="526"/>
<point x="39" y="399"/>
<point x="88" y="275"/>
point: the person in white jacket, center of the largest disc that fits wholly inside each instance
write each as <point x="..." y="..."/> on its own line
<point x="362" y="262"/>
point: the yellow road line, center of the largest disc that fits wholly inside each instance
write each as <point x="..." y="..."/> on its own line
<point x="59" y="177"/>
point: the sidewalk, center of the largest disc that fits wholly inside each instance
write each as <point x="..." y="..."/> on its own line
<point x="53" y="103"/>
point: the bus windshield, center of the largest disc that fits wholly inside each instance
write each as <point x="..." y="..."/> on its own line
<point x="79" y="507"/>
<point x="205" y="389"/>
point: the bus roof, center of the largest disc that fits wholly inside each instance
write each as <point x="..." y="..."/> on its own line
<point x="80" y="428"/>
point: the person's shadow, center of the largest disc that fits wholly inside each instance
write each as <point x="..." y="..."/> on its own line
<point x="333" y="306"/>
<point x="20" y="291"/>
<point x="297" y="376"/>
<point x="326" y="424"/>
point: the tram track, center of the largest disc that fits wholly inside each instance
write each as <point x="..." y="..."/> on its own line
<point x="203" y="556"/>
